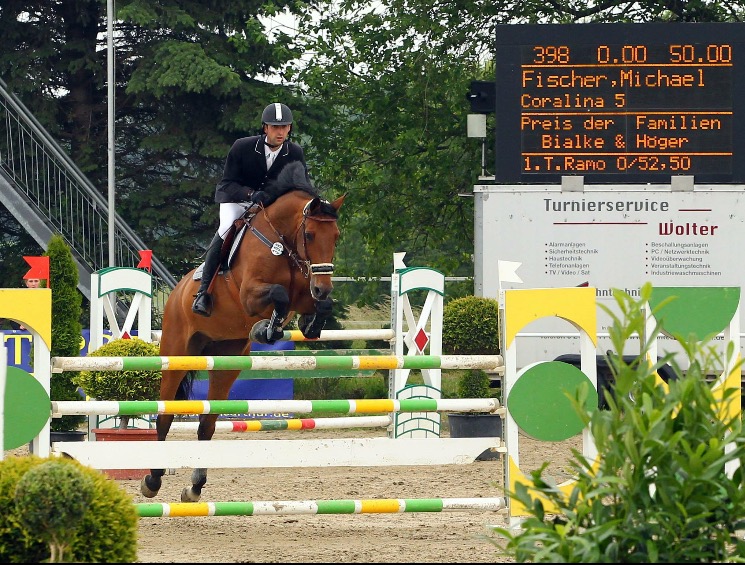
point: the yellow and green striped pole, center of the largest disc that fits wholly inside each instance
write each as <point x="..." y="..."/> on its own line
<point x="293" y="507"/>
<point x="344" y="406"/>
<point x="263" y="363"/>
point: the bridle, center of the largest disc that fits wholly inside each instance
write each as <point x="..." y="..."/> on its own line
<point x="283" y="247"/>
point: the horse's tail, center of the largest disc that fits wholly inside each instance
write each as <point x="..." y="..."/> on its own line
<point x="184" y="389"/>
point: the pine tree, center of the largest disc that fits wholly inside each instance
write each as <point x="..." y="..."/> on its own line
<point x="66" y="327"/>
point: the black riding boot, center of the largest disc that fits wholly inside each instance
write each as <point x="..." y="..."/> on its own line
<point x="202" y="300"/>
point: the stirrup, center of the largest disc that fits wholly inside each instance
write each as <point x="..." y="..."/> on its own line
<point x="202" y="304"/>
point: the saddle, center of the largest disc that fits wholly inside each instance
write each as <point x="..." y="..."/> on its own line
<point x="230" y="245"/>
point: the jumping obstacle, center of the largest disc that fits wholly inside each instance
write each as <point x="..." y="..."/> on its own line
<point x="262" y="454"/>
<point x="367" y="452"/>
<point x="360" y="406"/>
<point x="295" y="424"/>
<point x="404" y="411"/>
<point x="249" y="362"/>
<point x="262" y="363"/>
<point x="295" y="507"/>
<point x="326" y="335"/>
<point x="411" y="335"/>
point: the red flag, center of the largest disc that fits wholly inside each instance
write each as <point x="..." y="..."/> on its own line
<point x="39" y="268"/>
<point x="146" y="260"/>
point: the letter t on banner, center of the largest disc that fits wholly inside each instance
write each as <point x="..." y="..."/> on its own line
<point x="39" y="269"/>
<point x="146" y="260"/>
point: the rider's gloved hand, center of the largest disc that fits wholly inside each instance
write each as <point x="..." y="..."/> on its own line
<point x="261" y="197"/>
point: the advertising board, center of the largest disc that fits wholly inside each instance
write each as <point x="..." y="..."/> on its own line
<point x="607" y="237"/>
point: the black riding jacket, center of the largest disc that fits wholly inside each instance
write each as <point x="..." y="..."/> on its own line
<point x="245" y="168"/>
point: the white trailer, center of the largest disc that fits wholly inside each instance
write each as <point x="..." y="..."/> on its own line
<point x="606" y="236"/>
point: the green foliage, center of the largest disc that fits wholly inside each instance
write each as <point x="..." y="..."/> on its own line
<point x="66" y="328"/>
<point x="331" y="388"/>
<point x="470" y="326"/>
<point x="107" y="532"/>
<point x="664" y="490"/>
<point x="382" y="115"/>
<point x="207" y="88"/>
<point x="474" y="383"/>
<point x="122" y="385"/>
<point x="52" y="500"/>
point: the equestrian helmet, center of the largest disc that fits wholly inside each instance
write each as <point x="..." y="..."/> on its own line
<point x="276" y="114"/>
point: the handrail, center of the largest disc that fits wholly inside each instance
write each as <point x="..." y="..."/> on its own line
<point x="51" y="185"/>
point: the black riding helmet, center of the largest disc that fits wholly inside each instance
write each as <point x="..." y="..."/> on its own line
<point x="276" y="114"/>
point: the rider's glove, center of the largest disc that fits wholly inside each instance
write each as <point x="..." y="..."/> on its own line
<point x="261" y="197"/>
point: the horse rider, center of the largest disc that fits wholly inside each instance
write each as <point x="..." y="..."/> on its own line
<point x="251" y="162"/>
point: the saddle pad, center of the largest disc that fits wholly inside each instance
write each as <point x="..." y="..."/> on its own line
<point x="233" y="248"/>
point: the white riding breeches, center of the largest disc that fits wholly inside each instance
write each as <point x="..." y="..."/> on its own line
<point x="229" y="213"/>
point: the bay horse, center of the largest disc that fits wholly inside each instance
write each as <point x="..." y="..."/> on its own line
<point x="282" y="267"/>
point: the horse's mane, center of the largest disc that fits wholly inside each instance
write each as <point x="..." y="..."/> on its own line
<point x="293" y="177"/>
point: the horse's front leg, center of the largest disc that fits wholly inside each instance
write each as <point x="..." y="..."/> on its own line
<point x="271" y="330"/>
<point x="312" y="324"/>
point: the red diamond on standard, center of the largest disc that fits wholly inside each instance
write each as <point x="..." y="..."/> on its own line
<point x="421" y="339"/>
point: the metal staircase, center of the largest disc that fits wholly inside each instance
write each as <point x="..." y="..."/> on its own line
<point x="47" y="193"/>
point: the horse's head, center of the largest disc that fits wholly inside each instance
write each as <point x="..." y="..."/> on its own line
<point x="317" y="243"/>
<point x="309" y="223"/>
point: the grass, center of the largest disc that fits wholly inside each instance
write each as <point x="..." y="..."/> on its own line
<point x="365" y="387"/>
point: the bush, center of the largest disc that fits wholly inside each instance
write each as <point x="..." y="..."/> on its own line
<point x="51" y="500"/>
<point x="122" y="385"/>
<point x="107" y="532"/>
<point x="474" y="383"/>
<point x="66" y="328"/>
<point x="662" y="490"/>
<point x="470" y="326"/>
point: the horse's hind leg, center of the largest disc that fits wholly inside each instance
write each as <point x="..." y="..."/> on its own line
<point x="169" y="385"/>
<point x="219" y="389"/>
<point x="205" y="431"/>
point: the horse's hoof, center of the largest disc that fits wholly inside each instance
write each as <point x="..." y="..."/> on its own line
<point x="277" y="334"/>
<point x="188" y="495"/>
<point x="258" y="333"/>
<point x="149" y="486"/>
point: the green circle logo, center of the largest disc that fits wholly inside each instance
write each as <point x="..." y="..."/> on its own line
<point x="27" y="408"/>
<point x="539" y="404"/>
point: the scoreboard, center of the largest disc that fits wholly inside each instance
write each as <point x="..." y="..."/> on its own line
<point x="620" y="103"/>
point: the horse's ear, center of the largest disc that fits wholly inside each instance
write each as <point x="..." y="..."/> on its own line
<point x="339" y="201"/>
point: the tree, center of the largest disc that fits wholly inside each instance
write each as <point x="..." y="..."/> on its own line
<point x="66" y="328"/>
<point x="378" y="91"/>
<point x="390" y="80"/>
<point x="191" y="77"/>
<point x="53" y="499"/>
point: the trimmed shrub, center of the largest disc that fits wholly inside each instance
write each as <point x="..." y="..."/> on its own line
<point x="470" y="326"/>
<point x="122" y="385"/>
<point x="474" y="383"/>
<point x="107" y="532"/>
<point x="51" y="500"/>
<point x="66" y="328"/>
